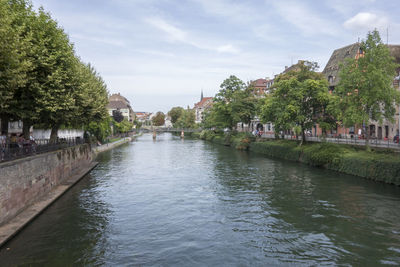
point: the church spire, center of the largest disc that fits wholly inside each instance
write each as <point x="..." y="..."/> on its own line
<point x="201" y="98"/>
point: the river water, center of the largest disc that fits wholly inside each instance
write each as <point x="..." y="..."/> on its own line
<point x="174" y="202"/>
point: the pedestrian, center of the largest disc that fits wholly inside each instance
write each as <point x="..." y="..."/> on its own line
<point x="13" y="141"/>
<point x="21" y="140"/>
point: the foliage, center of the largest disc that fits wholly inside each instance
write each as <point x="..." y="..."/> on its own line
<point x="138" y="124"/>
<point x="101" y="129"/>
<point x="158" y="119"/>
<point x="299" y="98"/>
<point x="186" y="120"/>
<point x="123" y="126"/>
<point x="233" y="103"/>
<point x="14" y="65"/>
<point x="365" y="90"/>
<point x="373" y="165"/>
<point x="117" y="116"/>
<point x="42" y="81"/>
<point x="175" y="113"/>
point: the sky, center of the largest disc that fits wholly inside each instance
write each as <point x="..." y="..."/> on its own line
<point x="162" y="53"/>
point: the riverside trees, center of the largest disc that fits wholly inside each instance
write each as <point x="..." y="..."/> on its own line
<point x="235" y="102"/>
<point x="42" y="81"/>
<point x="365" y="91"/>
<point x="300" y="98"/>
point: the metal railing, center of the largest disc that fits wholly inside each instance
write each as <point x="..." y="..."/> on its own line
<point x="355" y="140"/>
<point x="11" y="151"/>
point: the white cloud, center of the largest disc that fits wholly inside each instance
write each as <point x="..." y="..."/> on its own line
<point x="228" y="49"/>
<point x="176" y="34"/>
<point x="366" y="21"/>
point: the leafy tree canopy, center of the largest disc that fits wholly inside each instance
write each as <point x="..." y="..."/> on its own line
<point x="299" y="98"/>
<point x="158" y="119"/>
<point x="175" y="113"/>
<point x="187" y="119"/>
<point x="117" y="115"/>
<point x="365" y="91"/>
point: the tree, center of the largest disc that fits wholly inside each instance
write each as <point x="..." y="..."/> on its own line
<point x="91" y="98"/>
<point x="235" y="102"/>
<point x="175" y="113"/>
<point x="365" y="91"/>
<point x="42" y="81"/>
<point x="243" y="105"/>
<point x="14" y="65"/>
<point x="228" y="87"/>
<point x="100" y="129"/>
<point x="117" y="115"/>
<point x="187" y="119"/>
<point x="299" y="98"/>
<point x="123" y="126"/>
<point x="158" y="119"/>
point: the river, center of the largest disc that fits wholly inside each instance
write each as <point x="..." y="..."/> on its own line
<point x="174" y="202"/>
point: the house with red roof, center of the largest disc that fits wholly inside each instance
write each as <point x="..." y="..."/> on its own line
<point x="204" y="104"/>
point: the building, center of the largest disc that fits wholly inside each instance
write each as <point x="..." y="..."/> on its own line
<point x="120" y="103"/>
<point x="143" y="117"/>
<point x="384" y="130"/>
<point x="260" y="87"/>
<point x="199" y="108"/>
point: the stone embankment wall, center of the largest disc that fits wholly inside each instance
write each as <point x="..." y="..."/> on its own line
<point x="24" y="181"/>
<point x="110" y="146"/>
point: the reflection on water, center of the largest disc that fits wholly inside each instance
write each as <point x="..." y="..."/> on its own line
<point x="186" y="202"/>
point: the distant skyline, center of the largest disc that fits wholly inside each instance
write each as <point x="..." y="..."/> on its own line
<point x="162" y="53"/>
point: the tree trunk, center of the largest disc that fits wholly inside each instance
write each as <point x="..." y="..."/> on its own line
<point x="303" y="136"/>
<point x="4" y="124"/>
<point x="54" y="134"/>
<point x="26" y="125"/>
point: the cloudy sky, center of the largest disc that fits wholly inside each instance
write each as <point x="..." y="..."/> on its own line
<point x="162" y="53"/>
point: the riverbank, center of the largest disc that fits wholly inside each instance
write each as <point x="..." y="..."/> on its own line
<point x="378" y="164"/>
<point x="98" y="149"/>
<point x="32" y="184"/>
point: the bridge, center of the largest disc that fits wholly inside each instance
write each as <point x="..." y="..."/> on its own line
<point x="148" y="129"/>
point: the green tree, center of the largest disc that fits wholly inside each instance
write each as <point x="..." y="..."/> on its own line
<point x="235" y="102"/>
<point x="187" y="119"/>
<point x="138" y="124"/>
<point x="14" y="42"/>
<point x="55" y="73"/>
<point x="228" y="87"/>
<point x="117" y="116"/>
<point x="100" y="129"/>
<point x="175" y="113"/>
<point x="91" y="98"/>
<point x="158" y="119"/>
<point x="299" y="98"/>
<point x="365" y="91"/>
<point x="243" y="105"/>
<point x="123" y="126"/>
